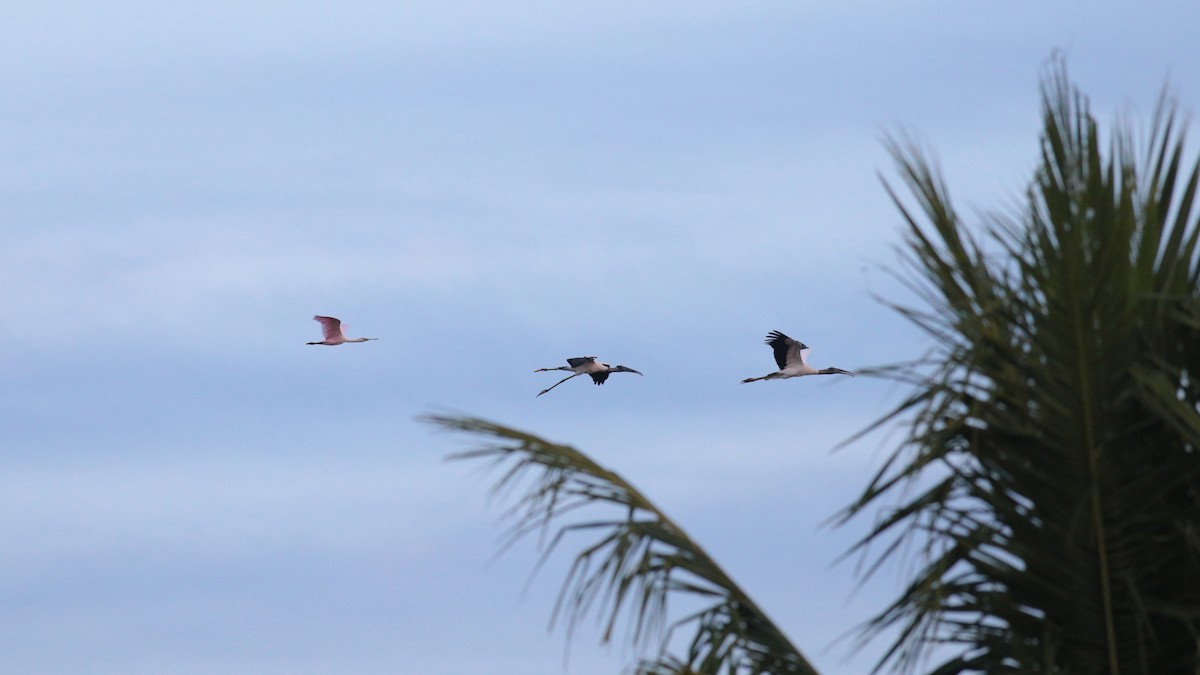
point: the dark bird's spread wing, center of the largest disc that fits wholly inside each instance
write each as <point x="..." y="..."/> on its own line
<point x="580" y="360"/>
<point x="599" y="378"/>
<point x="781" y="343"/>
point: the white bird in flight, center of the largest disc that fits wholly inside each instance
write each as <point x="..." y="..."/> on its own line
<point x="586" y="365"/>
<point x="791" y="356"/>
<point x="331" y="328"/>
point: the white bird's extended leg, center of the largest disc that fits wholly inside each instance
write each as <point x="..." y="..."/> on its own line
<point x="756" y="379"/>
<point x="559" y="382"/>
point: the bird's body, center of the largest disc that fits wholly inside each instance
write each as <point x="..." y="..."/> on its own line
<point x="331" y="328"/>
<point x="791" y="355"/>
<point x="586" y="365"/>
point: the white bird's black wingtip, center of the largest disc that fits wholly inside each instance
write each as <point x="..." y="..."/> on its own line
<point x="775" y="335"/>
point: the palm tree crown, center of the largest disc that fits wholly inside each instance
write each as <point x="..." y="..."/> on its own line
<point x="1053" y="432"/>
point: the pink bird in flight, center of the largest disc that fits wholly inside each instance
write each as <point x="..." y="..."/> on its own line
<point x="331" y="328"/>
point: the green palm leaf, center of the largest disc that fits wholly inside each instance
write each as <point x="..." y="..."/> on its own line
<point x="1053" y="431"/>
<point x="639" y="558"/>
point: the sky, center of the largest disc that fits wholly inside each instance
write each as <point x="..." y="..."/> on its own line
<point x="488" y="188"/>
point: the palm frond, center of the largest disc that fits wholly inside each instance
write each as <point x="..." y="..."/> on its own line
<point x="638" y="559"/>
<point x="1050" y="480"/>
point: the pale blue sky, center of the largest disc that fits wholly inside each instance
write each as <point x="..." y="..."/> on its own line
<point x="488" y="188"/>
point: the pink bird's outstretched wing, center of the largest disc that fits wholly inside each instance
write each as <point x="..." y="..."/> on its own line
<point x="331" y="328"/>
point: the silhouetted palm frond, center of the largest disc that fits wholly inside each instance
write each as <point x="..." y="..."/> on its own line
<point x="1051" y="474"/>
<point x="637" y="560"/>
